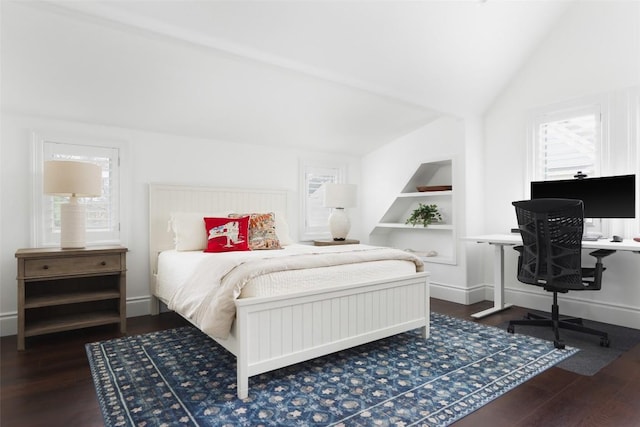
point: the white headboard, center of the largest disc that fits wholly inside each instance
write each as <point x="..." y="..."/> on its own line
<point x="167" y="198"/>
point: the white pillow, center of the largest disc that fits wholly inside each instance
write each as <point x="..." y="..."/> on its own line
<point x="282" y="230"/>
<point x="188" y="228"/>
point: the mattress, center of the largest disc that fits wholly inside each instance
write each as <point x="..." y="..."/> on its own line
<point x="175" y="267"/>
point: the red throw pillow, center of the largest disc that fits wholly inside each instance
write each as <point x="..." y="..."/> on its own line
<point x="227" y="234"/>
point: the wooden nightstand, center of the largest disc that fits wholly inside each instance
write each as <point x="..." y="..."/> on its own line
<point x="331" y="242"/>
<point x="65" y="289"/>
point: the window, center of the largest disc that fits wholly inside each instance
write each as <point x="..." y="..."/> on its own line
<point x="103" y="213"/>
<point x="596" y="135"/>
<point x="566" y="141"/>
<point x="315" y="217"/>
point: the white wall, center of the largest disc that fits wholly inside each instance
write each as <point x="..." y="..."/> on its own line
<point x="387" y="170"/>
<point x="594" y="49"/>
<point x="153" y="157"/>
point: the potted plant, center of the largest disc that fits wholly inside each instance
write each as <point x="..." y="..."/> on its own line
<point x="425" y="215"/>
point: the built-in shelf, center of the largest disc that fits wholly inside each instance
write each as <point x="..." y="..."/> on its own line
<point x="440" y="237"/>
<point x="426" y="194"/>
<point x="415" y="227"/>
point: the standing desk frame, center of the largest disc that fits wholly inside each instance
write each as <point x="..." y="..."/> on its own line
<point x="499" y="241"/>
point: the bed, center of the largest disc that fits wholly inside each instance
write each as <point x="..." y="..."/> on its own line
<point x="287" y="316"/>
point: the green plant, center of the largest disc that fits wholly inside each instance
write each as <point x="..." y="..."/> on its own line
<point x="424" y="214"/>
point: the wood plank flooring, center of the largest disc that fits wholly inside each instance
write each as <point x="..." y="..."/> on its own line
<point x="49" y="384"/>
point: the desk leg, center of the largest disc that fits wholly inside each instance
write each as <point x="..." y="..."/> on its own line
<point x="498" y="287"/>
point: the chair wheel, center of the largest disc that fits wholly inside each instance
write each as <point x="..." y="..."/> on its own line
<point x="510" y="329"/>
<point x="558" y="344"/>
<point x="604" y="342"/>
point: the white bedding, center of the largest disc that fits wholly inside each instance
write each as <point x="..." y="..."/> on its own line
<point x="174" y="267"/>
<point x="177" y="268"/>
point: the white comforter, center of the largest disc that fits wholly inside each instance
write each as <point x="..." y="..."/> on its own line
<point x="208" y="296"/>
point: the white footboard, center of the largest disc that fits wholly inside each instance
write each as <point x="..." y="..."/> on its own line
<point x="279" y="331"/>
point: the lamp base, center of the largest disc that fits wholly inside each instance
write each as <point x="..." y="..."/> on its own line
<point x="72" y="225"/>
<point x="339" y="224"/>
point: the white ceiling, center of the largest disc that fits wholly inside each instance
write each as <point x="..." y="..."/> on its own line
<point x="345" y="76"/>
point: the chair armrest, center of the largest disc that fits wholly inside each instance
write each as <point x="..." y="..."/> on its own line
<point x="601" y="253"/>
<point x="592" y="277"/>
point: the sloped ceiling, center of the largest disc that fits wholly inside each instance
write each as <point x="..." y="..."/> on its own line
<point x="339" y="76"/>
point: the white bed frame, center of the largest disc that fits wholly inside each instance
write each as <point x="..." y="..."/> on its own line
<point x="274" y="332"/>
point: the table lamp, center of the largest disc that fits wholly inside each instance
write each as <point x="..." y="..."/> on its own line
<point x="339" y="197"/>
<point x="72" y="179"/>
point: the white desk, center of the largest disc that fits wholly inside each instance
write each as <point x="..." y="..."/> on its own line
<point x="501" y="240"/>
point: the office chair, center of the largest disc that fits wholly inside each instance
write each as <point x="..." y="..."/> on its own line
<point x="550" y="257"/>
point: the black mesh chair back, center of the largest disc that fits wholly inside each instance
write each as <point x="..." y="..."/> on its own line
<point x="551" y="231"/>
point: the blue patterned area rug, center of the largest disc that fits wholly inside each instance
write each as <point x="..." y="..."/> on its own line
<point x="180" y="377"/>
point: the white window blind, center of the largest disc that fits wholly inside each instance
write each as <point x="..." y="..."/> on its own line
<point x="566" y="142"/>
<point x="315" y="216"/>
<point x="103" y="213"/>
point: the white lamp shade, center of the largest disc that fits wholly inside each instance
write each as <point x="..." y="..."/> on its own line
<point x="65" y="178"/>
<point x="340" y="195"/>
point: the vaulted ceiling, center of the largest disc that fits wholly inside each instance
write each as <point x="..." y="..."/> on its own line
<point x="343" y="76"/>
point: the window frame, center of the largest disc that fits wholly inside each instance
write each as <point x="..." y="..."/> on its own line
<point x="558" y="111"/>
<point x="41" y="234"/>
<point x="308" y="233"/>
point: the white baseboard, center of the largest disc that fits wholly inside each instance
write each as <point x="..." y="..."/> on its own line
<point x="8" y="324"/>
<point x="139" y="306"/>
<point x="457" y="294"/>
<point x="570" y="304"/>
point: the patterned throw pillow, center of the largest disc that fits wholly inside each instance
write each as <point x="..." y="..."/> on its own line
<point x="262" y="231"/>
<point x="227" y="234"/>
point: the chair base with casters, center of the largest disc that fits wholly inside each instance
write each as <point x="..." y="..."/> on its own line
<point x="591" y="279"/>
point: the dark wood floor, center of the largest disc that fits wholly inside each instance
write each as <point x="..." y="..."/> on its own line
<point x="49" y="384"/>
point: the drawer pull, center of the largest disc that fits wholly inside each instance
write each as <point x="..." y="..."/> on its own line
<point x="45" y="267"/>
<point x="103" y="263"/>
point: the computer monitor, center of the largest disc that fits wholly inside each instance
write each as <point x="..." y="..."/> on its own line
<point x="604" y="197"/>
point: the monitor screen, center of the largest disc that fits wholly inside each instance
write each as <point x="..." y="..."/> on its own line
<point x="604" y="197"/>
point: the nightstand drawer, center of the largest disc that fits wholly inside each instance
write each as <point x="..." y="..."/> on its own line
<point x="45" y="267"/>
